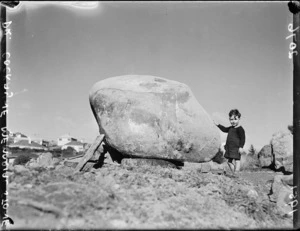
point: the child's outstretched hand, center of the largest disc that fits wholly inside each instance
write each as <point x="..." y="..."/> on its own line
<point x="241" y="150"/>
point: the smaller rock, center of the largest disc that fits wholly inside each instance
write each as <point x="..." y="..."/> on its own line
<point x="28" y="186"/>
<point x="45" y="160"/>
<point x="20" y="169"/>
<point x="33" y="165"/>
<point x="252" y="194"/>
<point x="282" y="147"/>
<point x="265" y="156"/>
<point x="281" y="193"/>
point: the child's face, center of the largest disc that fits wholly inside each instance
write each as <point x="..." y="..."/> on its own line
<point x="234" y="120"/>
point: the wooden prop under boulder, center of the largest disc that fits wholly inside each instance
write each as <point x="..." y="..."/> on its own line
<point x="85" y="163"/>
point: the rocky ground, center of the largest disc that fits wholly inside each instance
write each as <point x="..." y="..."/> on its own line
<point x="145" y="196"/>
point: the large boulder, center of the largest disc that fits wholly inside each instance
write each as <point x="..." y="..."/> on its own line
<point x="265" y="156"/>
<point x="282" y="145"/>
<point x="152" y="117"/>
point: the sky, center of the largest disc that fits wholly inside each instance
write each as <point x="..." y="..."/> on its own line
<point x="231" y="55"/>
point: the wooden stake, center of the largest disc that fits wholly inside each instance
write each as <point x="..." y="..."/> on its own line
<point x="89" y="154"/>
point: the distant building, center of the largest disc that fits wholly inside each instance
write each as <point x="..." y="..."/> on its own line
<point x="78" y="146"/>
<point x="27" y="144"/>
<point x="18" y="136"/>
<point x="53" y="143"/>
<point x="42" y="142"/>
<point x="65" y="139"/>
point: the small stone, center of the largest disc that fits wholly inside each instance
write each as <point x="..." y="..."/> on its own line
<point x="20" y="169"/>
<point x="116" y="186"/>
<point x="45" y="160"/>
<point x="33" y="165"/>
<point x="28" y="186"/>
<point x="252" y="194"/>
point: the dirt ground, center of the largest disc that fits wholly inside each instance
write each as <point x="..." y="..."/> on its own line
<point x="141" y="197"/>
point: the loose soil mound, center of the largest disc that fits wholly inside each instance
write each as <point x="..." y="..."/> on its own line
<point x="117" y="196"/>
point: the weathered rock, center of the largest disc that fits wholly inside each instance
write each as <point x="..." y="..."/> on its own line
<point x="265" y="156"/>
<point x="45" y="160"/>
<point x="21" y="169"/>
<point x="288" y="164"/>
<point x="282" y="146"/>
<point x="252" y="194"/>
<point x="152" y="117"/>
<point x="281" y="190"/>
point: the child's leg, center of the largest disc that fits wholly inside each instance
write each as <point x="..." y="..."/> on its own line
<point x="231" y="165"/>
<point x="222" y="149"/>
<point x="237" y="165"/>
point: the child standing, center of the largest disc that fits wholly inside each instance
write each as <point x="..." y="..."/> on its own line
<point x="235" y="140"/>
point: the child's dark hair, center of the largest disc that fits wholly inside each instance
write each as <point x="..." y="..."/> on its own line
<point x="235" y="112"/>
